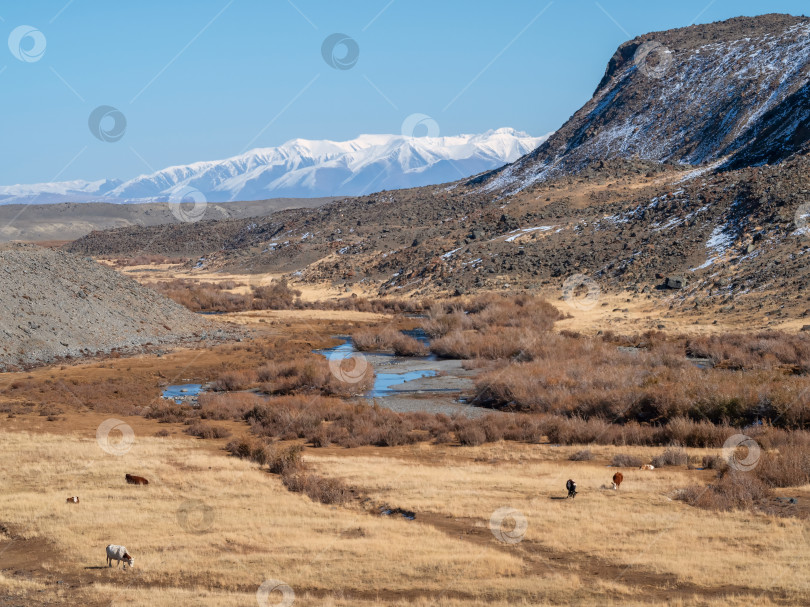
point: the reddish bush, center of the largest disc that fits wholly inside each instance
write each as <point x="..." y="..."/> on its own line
<point x="471" y="435"/>
<point x="317" y="488"/>
<point x="734" y="491"/>
<point x="388" y="339"/>
<point x="234" y="380"/>
<point x="201" y="430"/>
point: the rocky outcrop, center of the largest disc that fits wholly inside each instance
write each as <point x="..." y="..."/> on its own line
<point x="734" y="92"/>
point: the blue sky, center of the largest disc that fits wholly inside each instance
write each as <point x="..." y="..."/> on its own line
<point x="207" y="79"/>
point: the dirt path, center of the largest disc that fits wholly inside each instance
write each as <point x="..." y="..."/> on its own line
<point x="658" y="588"/>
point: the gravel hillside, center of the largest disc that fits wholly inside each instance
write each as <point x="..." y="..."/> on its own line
<point x="54" y="304"/>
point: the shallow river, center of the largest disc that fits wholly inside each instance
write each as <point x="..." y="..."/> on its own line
<point x="413" y="383"/>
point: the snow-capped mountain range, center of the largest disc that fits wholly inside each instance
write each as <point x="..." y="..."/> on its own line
<point x="300" y="169"/>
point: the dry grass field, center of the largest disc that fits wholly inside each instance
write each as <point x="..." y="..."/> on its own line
<point x="491" y="524"/>
<point x="211" y="529"/>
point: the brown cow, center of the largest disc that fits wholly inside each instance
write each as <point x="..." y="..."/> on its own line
<point x="73" y="500"/>
<point x="617" y="480"/>
<point x="136" y="480"/>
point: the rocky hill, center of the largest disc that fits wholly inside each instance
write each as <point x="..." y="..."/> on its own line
<point x="658" y="187"/>
<point x="57" y="305"/>
<point x="734" y="93"/>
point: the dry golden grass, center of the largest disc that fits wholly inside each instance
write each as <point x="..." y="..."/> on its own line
<point x="638" y="527"/>
<point x="259" y="530"/>
<point x="574" y="552"/>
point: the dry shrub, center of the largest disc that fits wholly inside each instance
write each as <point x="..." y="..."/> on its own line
<point x="751" y="489"/>
<point x="491" y="310"/>
<point x="380" y="306"/>
<point x="148" y="260"/>
<point x="789" y="467"/>
<point x="405" y="345"/>
<point x="169" y="412"/>
<point x="443" y="438"/>
<point x="217" y="296"/>
<point x="202" y="430"/>
<point x="388" y="339"/>
<point x="276" y="296"/>
<point x="536" y="370"/>
<point x="316" y="487"/>
<point x="674" y="456"/>
<point x="313" y="374"/>
<point x="471" y="435"/>
<point x="714" y="462"/>
<point x="287" y="463"/>
<point x="203" y="296"/>
<point x="624" y="460"/>
<point x="590" y="378"/>
<point x="690" y="433"/>
<point x="226" y="406"/>
<point x="250" y="448"/>
<point x="492" y="344"/>
<point x="581" y="456"/>
<point x="282" y="460"/>
<point x="734" y="491"/>
<point x="327" y="420"/>
<point x="763" y="350"/>
<point x="234" y="380"/>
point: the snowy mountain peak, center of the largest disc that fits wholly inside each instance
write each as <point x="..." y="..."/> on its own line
<point x="302" y="168"/>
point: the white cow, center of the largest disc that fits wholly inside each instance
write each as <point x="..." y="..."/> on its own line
<point x="118" y="553"/>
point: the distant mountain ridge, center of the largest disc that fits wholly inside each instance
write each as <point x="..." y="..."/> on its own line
<point x="302" y="168"/>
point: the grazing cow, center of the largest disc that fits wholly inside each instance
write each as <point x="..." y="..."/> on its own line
<point x="647" y="467"/>
<point x="617" y="480"/>
<point x="572" y="488"/>
<point x="73" y="500"/>
<point x="136" y="480"/>
<point x="119" y="553"/>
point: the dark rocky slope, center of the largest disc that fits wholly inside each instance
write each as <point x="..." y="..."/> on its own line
<point x="733" y="92"/>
